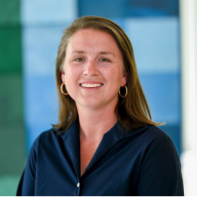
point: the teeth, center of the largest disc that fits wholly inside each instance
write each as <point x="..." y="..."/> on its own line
<point x="90" y="85"/>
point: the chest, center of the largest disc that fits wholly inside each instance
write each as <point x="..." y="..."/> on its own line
<point x="114" y="173"/>
<point x="87" y="150"/>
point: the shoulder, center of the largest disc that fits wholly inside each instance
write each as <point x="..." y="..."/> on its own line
<point x="45" y="139"/>
<point x="46" y="147"/>
<point x="156" y="143"/>
<point x="155" y="132"/>
<point x="157" y="149"/>
<point x="48" y="135"/>
<point x="151" y="135"/>
<point x="158" y="136"/>
<point x="152" y="142"/>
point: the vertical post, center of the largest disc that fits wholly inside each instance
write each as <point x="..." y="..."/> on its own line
<point x="188" y="19"/>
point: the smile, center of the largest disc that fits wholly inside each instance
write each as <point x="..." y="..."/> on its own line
<point x="90" y="85"/>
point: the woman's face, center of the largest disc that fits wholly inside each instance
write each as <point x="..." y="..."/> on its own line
<point x="93" y="69"/>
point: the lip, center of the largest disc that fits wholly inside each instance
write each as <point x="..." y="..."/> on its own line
<point x="91" y="82"/>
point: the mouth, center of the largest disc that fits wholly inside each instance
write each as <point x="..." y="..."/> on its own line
<point x="91" y="85"/>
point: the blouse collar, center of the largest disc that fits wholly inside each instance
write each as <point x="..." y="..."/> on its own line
<point x="110" y="138"/>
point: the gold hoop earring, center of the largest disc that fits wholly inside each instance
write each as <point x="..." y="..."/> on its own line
<point x="62" y="90"/>
<point x="126" y="92"/>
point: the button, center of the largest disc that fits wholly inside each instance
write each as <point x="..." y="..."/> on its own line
<point x="78" y="184"/>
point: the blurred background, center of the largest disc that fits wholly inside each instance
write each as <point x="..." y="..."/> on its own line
<point x="163" y="35"/>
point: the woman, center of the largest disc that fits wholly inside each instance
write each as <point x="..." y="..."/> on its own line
<point x="105" y="142"/>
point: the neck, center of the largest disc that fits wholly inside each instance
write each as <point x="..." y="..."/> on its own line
<point x="95" y="123"/>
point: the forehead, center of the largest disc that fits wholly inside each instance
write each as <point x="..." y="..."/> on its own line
<point x="88" y="31"/>
<point x="93" y="37"/>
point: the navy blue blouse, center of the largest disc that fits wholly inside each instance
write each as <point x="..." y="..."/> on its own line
<point x="141" y="162"/>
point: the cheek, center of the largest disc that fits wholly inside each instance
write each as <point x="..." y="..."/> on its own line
<point x="69" y="72"/>
<point x="115" y="75"/>
<point x="71" y="76"/>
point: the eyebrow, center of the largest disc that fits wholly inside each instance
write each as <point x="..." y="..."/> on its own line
<point x="101" y="52"/>
<point x="106" y="53"/>
<point x="78" y="51"/>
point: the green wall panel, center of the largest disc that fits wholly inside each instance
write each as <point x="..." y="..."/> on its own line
<point x="12" y="142"/>
<point x="12" y="133"/>
<point x="11" y="99"/>
<point x="10" y="49"/>
<point x="8" y="185"/>
<point x="9" y="12"/>
<point x="12" y="153"/>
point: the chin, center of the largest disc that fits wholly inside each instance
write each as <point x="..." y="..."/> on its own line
<point x="91" y="104"/>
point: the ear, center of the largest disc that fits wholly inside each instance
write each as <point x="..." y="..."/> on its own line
<point x="124" y="79"/>
<point x="63" y="76"/>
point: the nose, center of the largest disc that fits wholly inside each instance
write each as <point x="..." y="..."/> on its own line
<point x="90" y="69"/>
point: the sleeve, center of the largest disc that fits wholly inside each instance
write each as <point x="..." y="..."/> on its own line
<point x="26" y="186"/>
<point x="160" y="173"/>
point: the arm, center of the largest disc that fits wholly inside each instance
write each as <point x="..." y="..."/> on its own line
<point x="160" y="173"/>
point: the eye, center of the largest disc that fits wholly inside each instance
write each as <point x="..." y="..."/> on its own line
<point x="79" y="59"/>
<point x="104" y="60"/>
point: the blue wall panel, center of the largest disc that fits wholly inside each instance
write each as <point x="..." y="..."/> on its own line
<point x="41" y="108"/>
<point x="163" y="95"/>
<point x="129" y="8"/>
<point x="40" y="44"/>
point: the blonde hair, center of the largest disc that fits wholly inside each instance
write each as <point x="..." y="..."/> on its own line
<point x="132" y="111"/>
